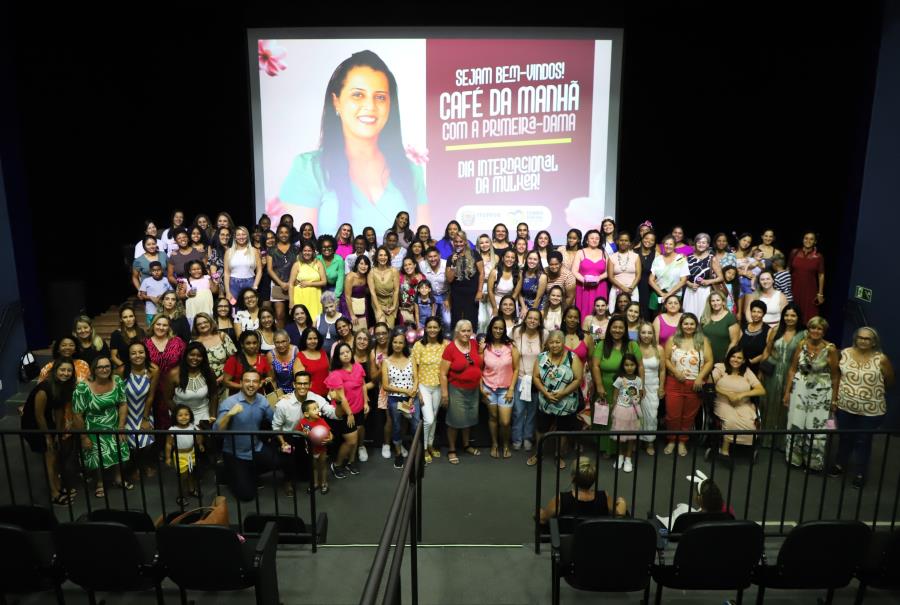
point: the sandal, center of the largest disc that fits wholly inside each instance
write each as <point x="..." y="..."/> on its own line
<point x="495" y="452"/>
<point x="472" y="451"/>
<point x="61" y="499"/>
<point x="99" y="492"/>
<point x="126" y="484"/>
<point x="531" y="461"/>
<point x="507" y="453"/>
<point x="435" y="453"/>
<point x="324" y="489"/>
<point x="452" y="458"/>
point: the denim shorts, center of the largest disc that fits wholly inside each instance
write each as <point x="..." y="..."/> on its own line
<point x="498" y="397"/>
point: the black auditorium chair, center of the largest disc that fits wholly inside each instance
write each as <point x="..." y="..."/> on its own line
<point x="291" y="529"/>
<point x="718" y="555"/>
<point x="137" y="520"/>
<point x="213" y="558"/>
<point x="685" y="521"/>
<point x="576" y="559"/>
<point x="881" y="565"/>
<point x="816" y="555"/>
<point x="31" y="518"/>
<point x="27" y="563"/>
<point x="107" y="557"/>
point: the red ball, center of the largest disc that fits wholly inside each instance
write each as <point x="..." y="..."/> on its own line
<point x="318" y="434"/>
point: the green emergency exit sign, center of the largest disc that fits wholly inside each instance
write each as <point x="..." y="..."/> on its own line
<point x="864" y="294"/>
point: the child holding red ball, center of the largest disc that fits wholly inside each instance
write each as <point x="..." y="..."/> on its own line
<point x="319" y="439"/>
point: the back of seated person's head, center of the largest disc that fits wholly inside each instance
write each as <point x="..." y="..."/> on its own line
<point x="584" y="475"/>
<point x="709" y="497"/>
<point x="778" y="262"/>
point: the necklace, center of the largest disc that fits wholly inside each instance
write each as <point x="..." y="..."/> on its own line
<point x="622" y="264"/>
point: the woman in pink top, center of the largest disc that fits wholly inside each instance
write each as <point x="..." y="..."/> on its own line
<point x="346" y="386"/>
<point x="666" y="323"/>
<point x="501" y="367"/>
<point x="590" y="271"/>
<point x="344" y="239"/>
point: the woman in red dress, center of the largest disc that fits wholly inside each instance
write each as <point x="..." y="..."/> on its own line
<point x="807" y="268"/>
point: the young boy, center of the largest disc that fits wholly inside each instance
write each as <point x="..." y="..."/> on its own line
<point x="782" y="277"/>
<point x="152" y="289"/>
<point x="312" y="419"/>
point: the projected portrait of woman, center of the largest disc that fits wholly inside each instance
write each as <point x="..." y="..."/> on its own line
<point x="360" y="174"/>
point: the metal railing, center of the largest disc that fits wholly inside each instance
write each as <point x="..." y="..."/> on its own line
<point x="159" y="493"/>
<point x="755" y="482"/>
<point x="404" y="520"/>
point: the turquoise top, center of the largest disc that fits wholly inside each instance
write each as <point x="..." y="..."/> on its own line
<point x="305" y="186"/>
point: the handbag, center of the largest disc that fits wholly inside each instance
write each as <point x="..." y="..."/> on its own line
<point x="215" y="514"/>
<point x="404" y="403"/>
<point x="279" y="293"/>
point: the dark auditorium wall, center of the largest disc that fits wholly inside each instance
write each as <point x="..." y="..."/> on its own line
<point x="727" y="114"/>
<point x="879" y="213"/>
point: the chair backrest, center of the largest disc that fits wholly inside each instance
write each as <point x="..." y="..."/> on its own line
<point x="137" y="520"/>
<point x="718" y="555"/>
<point x="101" y="556"/>
<point x="203" y="557"/>
<point x="822" y="554"/>
<point x="881" y="566"/>
<point x="568" y="524"/>
<point x="685" y="521"/>
<point x="20" y="563"/>
<point x="634" y="544"/>
<point x="32" y="518"/>
<point x="287" y="524"/>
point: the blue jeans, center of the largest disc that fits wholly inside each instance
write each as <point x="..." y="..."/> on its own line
<point x="859" y="444"/>
<point x="396" y="415"/>
<point x="523" y="416"/>
<point x="237" y="285"/>
<point x="444" y="313"/>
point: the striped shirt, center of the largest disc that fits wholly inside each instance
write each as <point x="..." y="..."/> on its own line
<point x="783" y="284"/>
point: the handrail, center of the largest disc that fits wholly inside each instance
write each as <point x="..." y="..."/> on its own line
<point x="9" y="315"/>
<point x="405" y="514"/>
<point x="584" y="443"/>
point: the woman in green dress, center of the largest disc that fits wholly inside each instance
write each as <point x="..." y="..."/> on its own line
<point x="100" y="405"/>
<point x="720" y="327"/>
<point x="782" y="344"/>
<point x="605" y="364"/>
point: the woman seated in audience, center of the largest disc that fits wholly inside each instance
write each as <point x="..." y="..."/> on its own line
<point x="129" y="331"/>
<point x="584" y="499"/>
<point x="735" y="385"/>
<point x="45" y="410"/>
<point x="89" y="345"/>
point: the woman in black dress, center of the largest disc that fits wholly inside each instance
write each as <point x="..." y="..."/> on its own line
<point x="465" y="274"/>
<point x="646" y="252"/>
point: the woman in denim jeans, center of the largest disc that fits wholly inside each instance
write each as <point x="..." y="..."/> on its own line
<point x="501" y="368"/>
<point x="528" y="337"/>
<point x="427" y="353"/>
<point x="399" y="379"/>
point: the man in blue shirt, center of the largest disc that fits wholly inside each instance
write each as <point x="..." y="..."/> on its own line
<point x="245" y="456"/>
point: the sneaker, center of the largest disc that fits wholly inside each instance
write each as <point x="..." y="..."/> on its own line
<point x="517" y="445"/>
<point x="619" y="462"/>
<point x="398" y="461"/>
<point x="386" y="451"/>
<point x="338" y="472"/>
<point x="351" y="468"/>
<point x="324" y="489"/>
<point x="836" y="471"/>
<point x="404" y="451"/>
<point x="528" y="445"/>
<point x="362" y="455"/>
<point x="627" y="466"/>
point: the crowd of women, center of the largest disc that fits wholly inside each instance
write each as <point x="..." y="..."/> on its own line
<point x="592" y="333"/>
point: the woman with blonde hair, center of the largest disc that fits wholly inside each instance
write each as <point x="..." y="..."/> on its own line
<point x="88" y="344"/>
<point x="242" y="265"/>
<point x="465" y="276"/>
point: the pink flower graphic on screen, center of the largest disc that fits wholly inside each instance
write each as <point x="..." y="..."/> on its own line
<point x="271" y="57"/>
<point x="274" y="208"/>
<point x="416" y="156"/>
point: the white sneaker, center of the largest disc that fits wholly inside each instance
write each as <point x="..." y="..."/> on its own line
<point x="528" y="445"/>
<point x="386" y="451"/>
<point x="404" y="451"/>
<point x="362" y="455"/>
<point x="627" y="466"/>
<point x="619" y="462"/>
